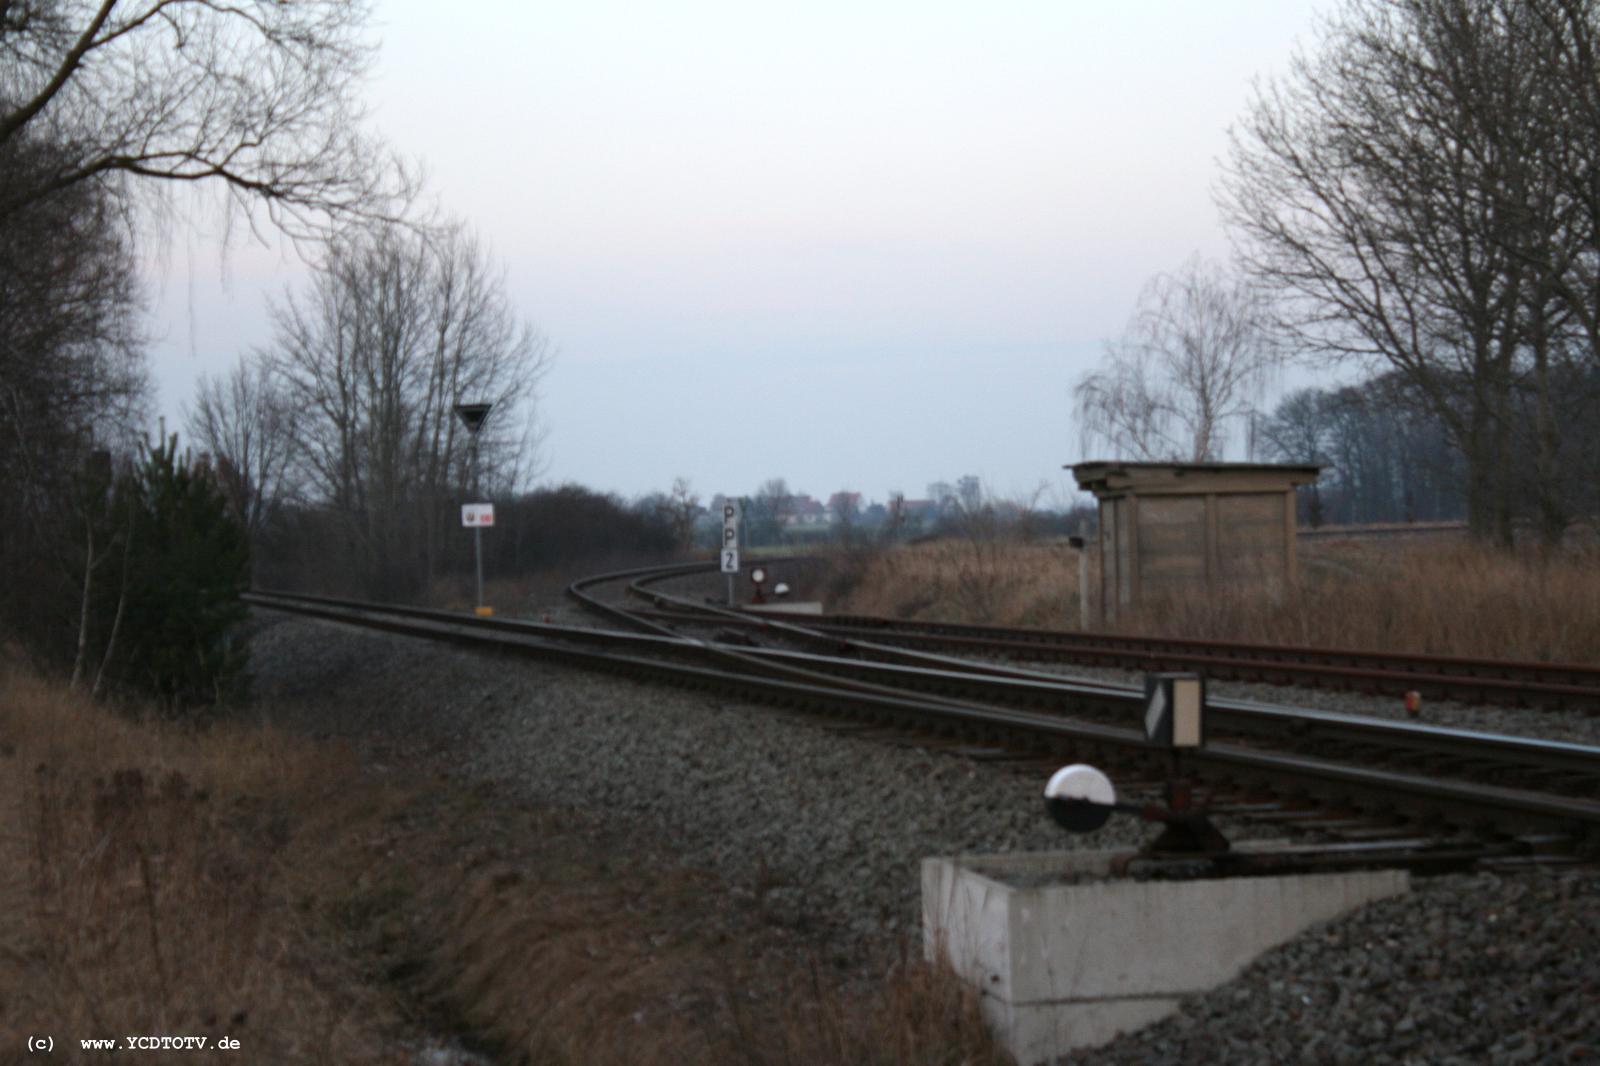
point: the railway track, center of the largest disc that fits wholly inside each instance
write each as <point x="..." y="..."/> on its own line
<point x="1569" y="686"/>
<point x="1370" y="790"/>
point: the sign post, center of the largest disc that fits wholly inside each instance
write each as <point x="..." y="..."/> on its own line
<point x="475" y="516"/>
<point x="730" y="544"/>
<point x="1082" y="548"/>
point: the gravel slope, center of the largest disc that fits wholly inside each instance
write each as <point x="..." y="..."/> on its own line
<point x="826" y="830"/>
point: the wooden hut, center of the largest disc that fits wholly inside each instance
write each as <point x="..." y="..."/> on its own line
<point x="1172" y="529"/>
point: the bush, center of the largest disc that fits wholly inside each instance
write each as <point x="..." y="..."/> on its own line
<point x="168" y="607"/>
<point x="567" y="525"/>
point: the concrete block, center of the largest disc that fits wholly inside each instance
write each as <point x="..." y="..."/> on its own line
<point x="1066" y="956"/>
<point x="786" y="607"/>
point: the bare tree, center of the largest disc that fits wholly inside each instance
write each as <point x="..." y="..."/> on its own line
<point x="895" y="518"/>
<point x="768" y="511"/>
<point x="72" y="390"/>
<point x="397" y="328"/>
<point x="1194" y="358"/>
<point x="70" y="347"/>
<point x="258" y="96"/>
<point x="1406" y="191"/>
<point x="248" y="427"/>
<point x="680" y="508"/>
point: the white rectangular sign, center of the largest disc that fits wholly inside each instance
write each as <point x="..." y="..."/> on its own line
<point x="730" y="560"/>
<point x="477" y="514"/>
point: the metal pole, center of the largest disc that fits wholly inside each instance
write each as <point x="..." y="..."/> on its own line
<point x="1083" y="587"/>
<point x="730" y="590"/>
<point x="477" y="544"/>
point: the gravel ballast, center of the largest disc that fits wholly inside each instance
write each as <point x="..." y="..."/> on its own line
<point x="1570" y="726"/>
<point x="826" y="830"/>
<point x="1467" y="969"/>
<point x="826" y="827"/>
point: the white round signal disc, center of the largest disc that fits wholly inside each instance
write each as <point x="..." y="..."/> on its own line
<point x="1080" y="781"/>
<point x="1080" y="797"/>
<point x="758" y="575"/>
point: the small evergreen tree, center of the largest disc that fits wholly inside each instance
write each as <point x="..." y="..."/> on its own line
<point x="170" y="609"/>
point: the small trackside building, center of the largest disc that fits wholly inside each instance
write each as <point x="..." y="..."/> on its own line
<point x="1175" y="529"/>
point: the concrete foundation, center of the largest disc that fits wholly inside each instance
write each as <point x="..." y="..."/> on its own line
<point x="786" y="607"/>
<point x="1068" y="957"/>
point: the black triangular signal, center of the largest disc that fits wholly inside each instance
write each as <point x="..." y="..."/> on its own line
<point x="472" y="415"/>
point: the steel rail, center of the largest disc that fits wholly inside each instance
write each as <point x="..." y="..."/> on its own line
<point x="1050" y="693"/>
<point x="1473" y="803"/>
<point x="1511" y="682"/>
<point x="1562" y="679"/>
<point x="1247" y="718"/>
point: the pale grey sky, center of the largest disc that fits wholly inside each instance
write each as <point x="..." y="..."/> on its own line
<point x="856" y="245"/>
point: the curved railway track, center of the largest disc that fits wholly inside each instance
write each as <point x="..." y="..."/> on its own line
<point x="1573" y="686"/>
<point x="1374" y="790"/>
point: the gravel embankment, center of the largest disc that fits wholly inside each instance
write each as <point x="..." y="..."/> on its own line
<point x="827" y="830"/>
<point x="1465" y="970"/>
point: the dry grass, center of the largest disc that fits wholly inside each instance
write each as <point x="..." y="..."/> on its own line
<point x="321" y="906"/>
<point x="138" y="891"/>
<point x="996" y="580"/>
<point x="599" y="970"/>
<point x="1447" y="597"/>
<point x="516" y="594"/>
<point x="508" y="595"/>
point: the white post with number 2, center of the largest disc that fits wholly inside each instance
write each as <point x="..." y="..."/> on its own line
<point x="730" y="544"/>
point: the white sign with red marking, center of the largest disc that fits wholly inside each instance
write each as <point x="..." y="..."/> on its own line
<point x="477" y="515"/>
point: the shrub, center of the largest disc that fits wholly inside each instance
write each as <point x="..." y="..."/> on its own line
<point x="169" y="606"/>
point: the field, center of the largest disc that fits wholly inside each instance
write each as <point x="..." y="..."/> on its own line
<point x="1428" y="595"/>
<point x="316" y="904"/>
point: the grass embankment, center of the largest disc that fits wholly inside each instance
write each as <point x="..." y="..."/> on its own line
<point x="1436" y="597"/>
<point x="318" y="905"/>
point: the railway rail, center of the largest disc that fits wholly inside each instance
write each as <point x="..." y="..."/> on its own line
<point x="1374" y="789"/>
<point x="1573" y="686"/>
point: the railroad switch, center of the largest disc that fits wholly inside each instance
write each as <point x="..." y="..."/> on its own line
<point x="1081" y="798"/>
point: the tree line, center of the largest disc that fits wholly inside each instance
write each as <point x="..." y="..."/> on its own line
<point x="1416" y="195"/>
<point x="349" y="416"/>
<point x="1384" y="458"/>
<point x="116" y="118"/>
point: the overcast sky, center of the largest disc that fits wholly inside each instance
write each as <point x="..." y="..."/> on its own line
<point x="855" y="245"/>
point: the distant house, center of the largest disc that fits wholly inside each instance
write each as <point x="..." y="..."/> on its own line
<point x="805" y="513"/>
<point x="842" y="505"/>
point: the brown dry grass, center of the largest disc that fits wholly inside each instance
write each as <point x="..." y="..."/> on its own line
<point x="996" y="580"/>
<point x="138" y="891"/>
<point x="1438" y="597"/>
<point x="321" y="904"/>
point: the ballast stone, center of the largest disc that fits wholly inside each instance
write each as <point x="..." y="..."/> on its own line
<point x="1066" y="956"/>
